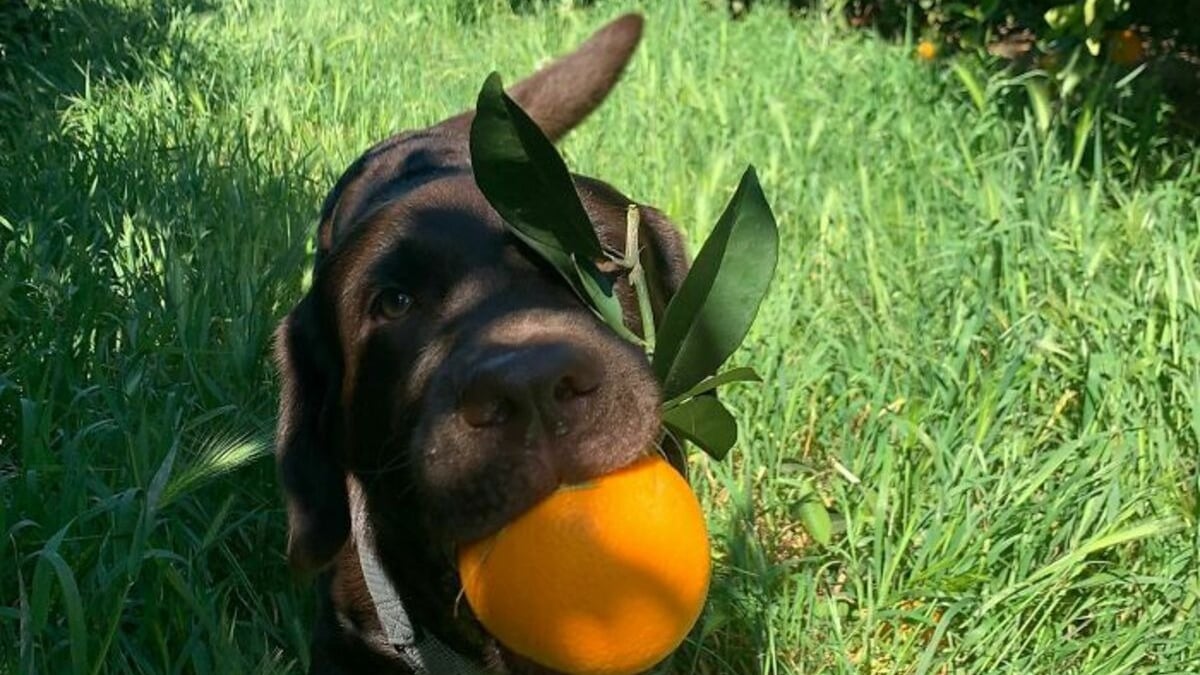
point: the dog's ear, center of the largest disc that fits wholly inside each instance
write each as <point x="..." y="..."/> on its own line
<point x="314" y="483"/>
<point x="559" y="96"/>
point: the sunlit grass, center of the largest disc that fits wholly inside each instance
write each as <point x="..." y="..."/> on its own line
<point x="984" y="362"/>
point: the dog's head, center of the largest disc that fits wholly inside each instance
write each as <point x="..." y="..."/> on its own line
<point x="441" y="365"/>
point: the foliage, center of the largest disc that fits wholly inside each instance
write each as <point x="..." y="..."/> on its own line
<point x="1081" y="68"/>
<point x="975" y="21"/>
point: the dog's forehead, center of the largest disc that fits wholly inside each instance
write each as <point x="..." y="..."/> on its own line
<point x="425" y="222"/>
<point x="441" y="223"/>
<point x="387" y="170"/>
<point x="446" y="217"/>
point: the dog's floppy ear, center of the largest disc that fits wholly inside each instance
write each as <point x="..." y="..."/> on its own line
<point x="559" y="96"/>
<point x="313" y="481"/>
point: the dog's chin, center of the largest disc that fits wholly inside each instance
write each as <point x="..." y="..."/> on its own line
<point x="511" y="481"/>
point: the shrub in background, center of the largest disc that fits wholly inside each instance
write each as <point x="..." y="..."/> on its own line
<point x="1174" y="21"/>
<point x="1102" y="76"/>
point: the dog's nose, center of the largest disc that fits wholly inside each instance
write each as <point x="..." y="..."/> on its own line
<point x="549" y="383"/>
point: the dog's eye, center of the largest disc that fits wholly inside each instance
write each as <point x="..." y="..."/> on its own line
<point x="391" y="304"/>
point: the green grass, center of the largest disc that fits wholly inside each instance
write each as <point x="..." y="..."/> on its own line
<point x="985" y="362"/>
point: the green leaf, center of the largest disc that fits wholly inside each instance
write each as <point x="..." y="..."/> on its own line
<point x="814" y="518"/>
<point x="50" y="560"/>
<point x="1064" y="18"/>
<point x="705" y="422"/>
<point x="159" y="482"/>
<point x="76" y="624"/>
<point x="524" y="178"/>
<point x="1075" y="72"/>
<point x="1083" y="130"/>
<point x="972" y="84"/>
<point x="711" y="313"/>
<point x="39" y="601"/>
<point x="742" y="374"/>
<point x="1039" y="98"/>
<point x="599" y="290"/>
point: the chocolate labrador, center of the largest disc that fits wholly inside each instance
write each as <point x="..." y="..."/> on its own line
<point x="439" y="378"/>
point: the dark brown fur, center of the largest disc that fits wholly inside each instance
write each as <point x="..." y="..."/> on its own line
<point x="376" y="410"/>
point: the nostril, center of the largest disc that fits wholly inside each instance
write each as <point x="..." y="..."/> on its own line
<point x="570" y="387"/>
<point x="543" y="384"/>
<point x="581" y="380"/>
<point x="486" y="412"/>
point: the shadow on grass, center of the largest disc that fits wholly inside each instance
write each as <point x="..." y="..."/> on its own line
<point x="102" y="220"/>
<point x="147" y="252"/>
<point x="49" y="52"/>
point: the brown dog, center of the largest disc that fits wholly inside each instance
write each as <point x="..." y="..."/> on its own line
<point x="439" y="379"/>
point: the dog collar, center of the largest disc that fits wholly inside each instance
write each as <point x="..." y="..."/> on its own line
<point x="420" y="651"/>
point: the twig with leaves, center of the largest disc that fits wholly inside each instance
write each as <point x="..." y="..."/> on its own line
<point x="525" y="179"/>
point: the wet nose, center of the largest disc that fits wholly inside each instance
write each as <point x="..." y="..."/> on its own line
<point x="550" y="383"/>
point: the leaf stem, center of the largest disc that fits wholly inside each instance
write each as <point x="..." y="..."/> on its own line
<point x="637" y="275"/>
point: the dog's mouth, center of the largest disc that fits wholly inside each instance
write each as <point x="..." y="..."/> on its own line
<point x="548" y="418"/>
<point x="514" y="402"/>
<point x="516" y="479"/>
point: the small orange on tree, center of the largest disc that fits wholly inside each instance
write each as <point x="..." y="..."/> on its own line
<point x="1125" y="47"/>
<point x="927" y="50"/>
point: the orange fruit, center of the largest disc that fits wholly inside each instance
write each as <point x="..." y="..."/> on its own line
<point x="1125" y="48"/>
<point x="603" y="578"/>
<point x="927" y="51"/>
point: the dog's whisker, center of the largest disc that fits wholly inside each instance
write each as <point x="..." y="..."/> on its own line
<point x="396" y="464"/>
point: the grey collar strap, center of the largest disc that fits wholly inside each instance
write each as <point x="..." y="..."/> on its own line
<point x="419" y="650"/>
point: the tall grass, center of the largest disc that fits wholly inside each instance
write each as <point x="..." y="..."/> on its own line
<point x="983" y="361"/>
